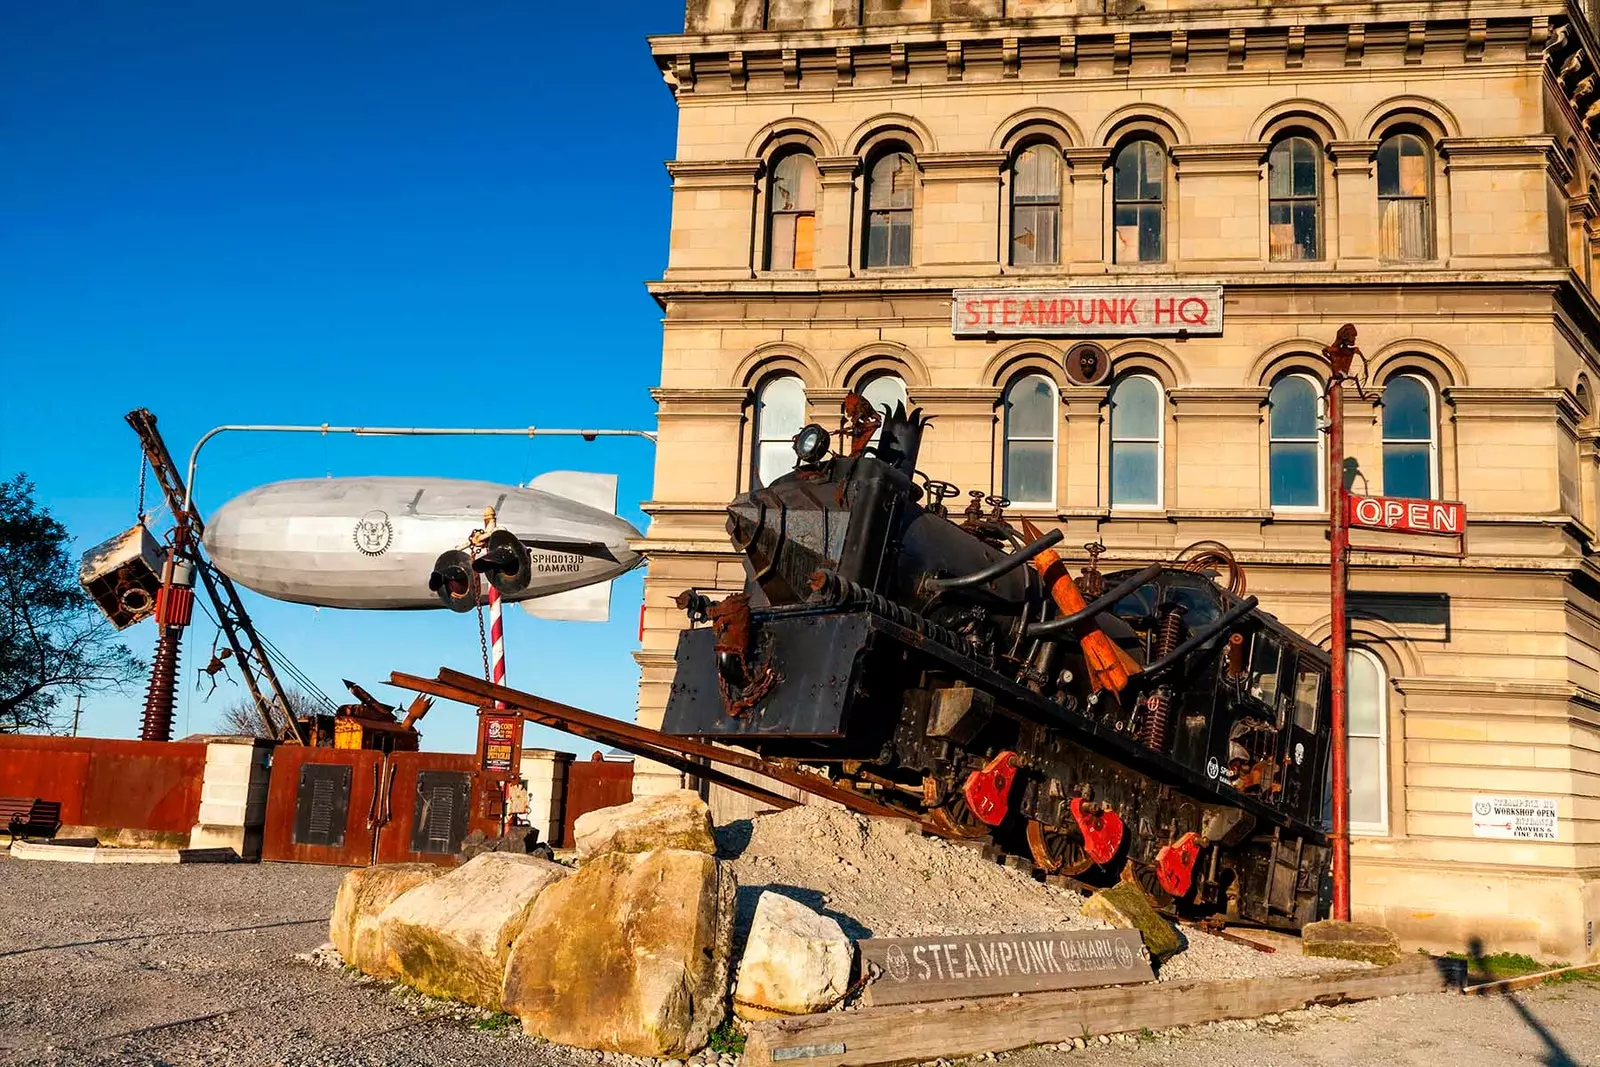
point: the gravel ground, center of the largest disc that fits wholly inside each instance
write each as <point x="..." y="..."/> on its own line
<point x="878" y="880"/>
<point x="198" y="965"/>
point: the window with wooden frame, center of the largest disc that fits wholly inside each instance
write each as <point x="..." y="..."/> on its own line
<point x="1294" y="200"/>
<point x="891" y="206"/>
<point x="1405" y="198"/>
<point x="1139" y="204"/>
<point x="792" y="213"/>
<point x="1036" y="206"/>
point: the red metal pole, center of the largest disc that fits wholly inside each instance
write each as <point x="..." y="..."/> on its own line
<point x="1339" y="538"/>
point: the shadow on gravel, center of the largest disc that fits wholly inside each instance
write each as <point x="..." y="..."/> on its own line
<point x="1554" y="1054"/>
<point x="161" y="933"/>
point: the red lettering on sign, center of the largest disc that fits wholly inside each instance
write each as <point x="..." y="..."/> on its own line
<point x="988" y="305"/>
<point x="1030" y="314"/>
<point x="1008" y="313"/>
<point x="1407" y="516"/>
<point x="1166" y="310"/>
<point x="970" y="315"/>
<point x="1127" y="312"/>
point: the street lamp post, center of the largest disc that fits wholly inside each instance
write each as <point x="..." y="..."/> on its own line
<point x="1339" y="355"/>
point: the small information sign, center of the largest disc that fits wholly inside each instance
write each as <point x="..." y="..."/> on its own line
<point x="920" y="969"/>
<point x="499" y="741"/>
<point x="1516" y="818"/>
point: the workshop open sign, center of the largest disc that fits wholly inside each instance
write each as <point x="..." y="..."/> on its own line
<point x="1444" y="518"/>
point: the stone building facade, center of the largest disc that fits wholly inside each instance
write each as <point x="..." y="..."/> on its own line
<point x="846" y="171"/>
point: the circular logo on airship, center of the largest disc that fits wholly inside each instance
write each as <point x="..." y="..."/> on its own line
<point x="373" y="533"/>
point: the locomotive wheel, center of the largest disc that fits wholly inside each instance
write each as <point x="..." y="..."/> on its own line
<point x="1056" y="852"/>
<point x="1144" y="875"/>
<point x="957" y="818"/>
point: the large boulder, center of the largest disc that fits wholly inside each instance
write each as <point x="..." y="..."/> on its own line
<point x="628" y="955"/>
<point x="450" y="937"/>
<point x="1125" y="906"/>
<point x="795" y="961"/>
<point x="363" y="895"/>
<point x="1361" y="942"/>
<point x="678" y="820"/>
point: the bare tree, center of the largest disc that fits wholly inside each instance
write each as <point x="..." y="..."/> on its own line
<point x="241" y="718"/>
<point x="53" y="640"/>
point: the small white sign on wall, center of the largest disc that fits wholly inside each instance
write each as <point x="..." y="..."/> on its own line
<point x="1519" y="818"/>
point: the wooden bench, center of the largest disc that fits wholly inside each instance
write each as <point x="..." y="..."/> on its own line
<point x="29" y="816"/>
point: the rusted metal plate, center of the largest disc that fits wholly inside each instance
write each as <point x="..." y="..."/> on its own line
<point x="594" y="784"/>
<point x="921" y="969"/>
<point x="417" y="788"/>
<point x="134" y="785"/>
<point x="351" y="845"/>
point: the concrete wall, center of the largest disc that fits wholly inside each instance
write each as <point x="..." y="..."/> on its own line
<point x="1497" y="693"/>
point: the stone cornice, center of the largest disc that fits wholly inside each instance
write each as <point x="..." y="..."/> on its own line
<point x="714" y="173"/>
<point x="690" y="403"/>
<point x="833" y="169"/>
<point x="1218" y="158"/>
<point x="1191" y="402"/>
<point x="961" y="166"/>
<point x="1489" y="402"/>
<point x="1505" y="153"/>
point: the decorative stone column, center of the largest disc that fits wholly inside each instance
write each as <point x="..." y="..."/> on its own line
<point x="1085" y="245"/>
<point x="233" y="795"/>
<point x="836" y="211"/>
<point x="1355" y="176"/>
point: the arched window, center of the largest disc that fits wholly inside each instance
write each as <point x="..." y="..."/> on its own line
<point x="1138" y="193"/>
<point x="1036" y="206"/>
<point x="1405" y="198"/>
<point x="1294" y="451"/>
<point x="1136" y="436"/>
<point x="1369" y="743"/>
<point x="1410" y="439"/>
<point x="891" y="197"/>
<point x="1030" y="429"/>
<point x="792" y="213"/>
<point x="885" y="392"/>
<point x="780" y="414"/>
<point x="1294" y="200"/>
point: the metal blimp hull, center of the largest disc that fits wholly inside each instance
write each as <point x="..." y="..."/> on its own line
<point x="371" y="543"/>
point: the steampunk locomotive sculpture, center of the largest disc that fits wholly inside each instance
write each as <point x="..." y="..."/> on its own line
<point x="1148" y="724"/>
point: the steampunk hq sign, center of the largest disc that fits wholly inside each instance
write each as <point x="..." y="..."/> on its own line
<point x="920" y="969"/>
<point x="1107" y="311"/>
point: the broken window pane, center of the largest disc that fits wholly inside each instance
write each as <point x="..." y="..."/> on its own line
<point x="1294" y="207"/>
<point x="1405" y="191"/>
<point x="791" y="207"/>
<point x="890" y="197"/>
<point x="1036" y="206"/>
<point x="1138" y="182"/>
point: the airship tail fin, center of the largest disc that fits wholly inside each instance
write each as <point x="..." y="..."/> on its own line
<point x="598" y="491"/>
<point x="592" y="603"/>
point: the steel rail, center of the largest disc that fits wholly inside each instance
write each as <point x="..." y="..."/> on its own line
<point x="606" y="737"/>
<point x="454" y="685"/>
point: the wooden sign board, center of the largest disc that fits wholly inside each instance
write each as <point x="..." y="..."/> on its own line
<point x="919" y="969"/>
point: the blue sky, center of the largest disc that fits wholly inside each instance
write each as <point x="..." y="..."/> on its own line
<point x="363" y="212"/>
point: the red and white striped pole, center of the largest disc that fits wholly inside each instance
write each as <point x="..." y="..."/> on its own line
<point x="497" y="637"/>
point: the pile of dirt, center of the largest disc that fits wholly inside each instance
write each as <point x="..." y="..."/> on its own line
<point x="879" y="878"/>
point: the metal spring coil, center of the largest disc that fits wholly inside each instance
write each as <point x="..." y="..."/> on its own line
<point x="829" y="587"/>
<point x="1158" y="705"/>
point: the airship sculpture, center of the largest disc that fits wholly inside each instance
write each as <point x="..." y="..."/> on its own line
<point x="403" y="543"/>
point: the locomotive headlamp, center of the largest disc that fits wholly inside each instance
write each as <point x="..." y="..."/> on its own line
<point x="811" y="444"/>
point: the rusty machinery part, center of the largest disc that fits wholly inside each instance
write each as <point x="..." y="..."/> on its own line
<point x="831" y="589"/>
<point x="861" y="422"/>
<point x="921" y="666"/>
<point x="1175" y="864"/>
<point x="160" y="697"/>
<point x="742" y="684"/>
<point x="936" y="493"/>
<point x="1056" y="850"/>
<point x="1211" y="555"/>
<point x="1091" y="582"/>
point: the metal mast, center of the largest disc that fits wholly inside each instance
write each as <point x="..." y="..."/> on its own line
<point x="185" y="560"/>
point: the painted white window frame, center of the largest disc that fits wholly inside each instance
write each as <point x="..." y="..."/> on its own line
<point x="1381" y="828"/>
<point x="759" y="435"/>
<point x="1435" y="491"/>
<point x="1322" y="451"/>
<point x="1055" y="440"/>
<point x="1160" y="441"/>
